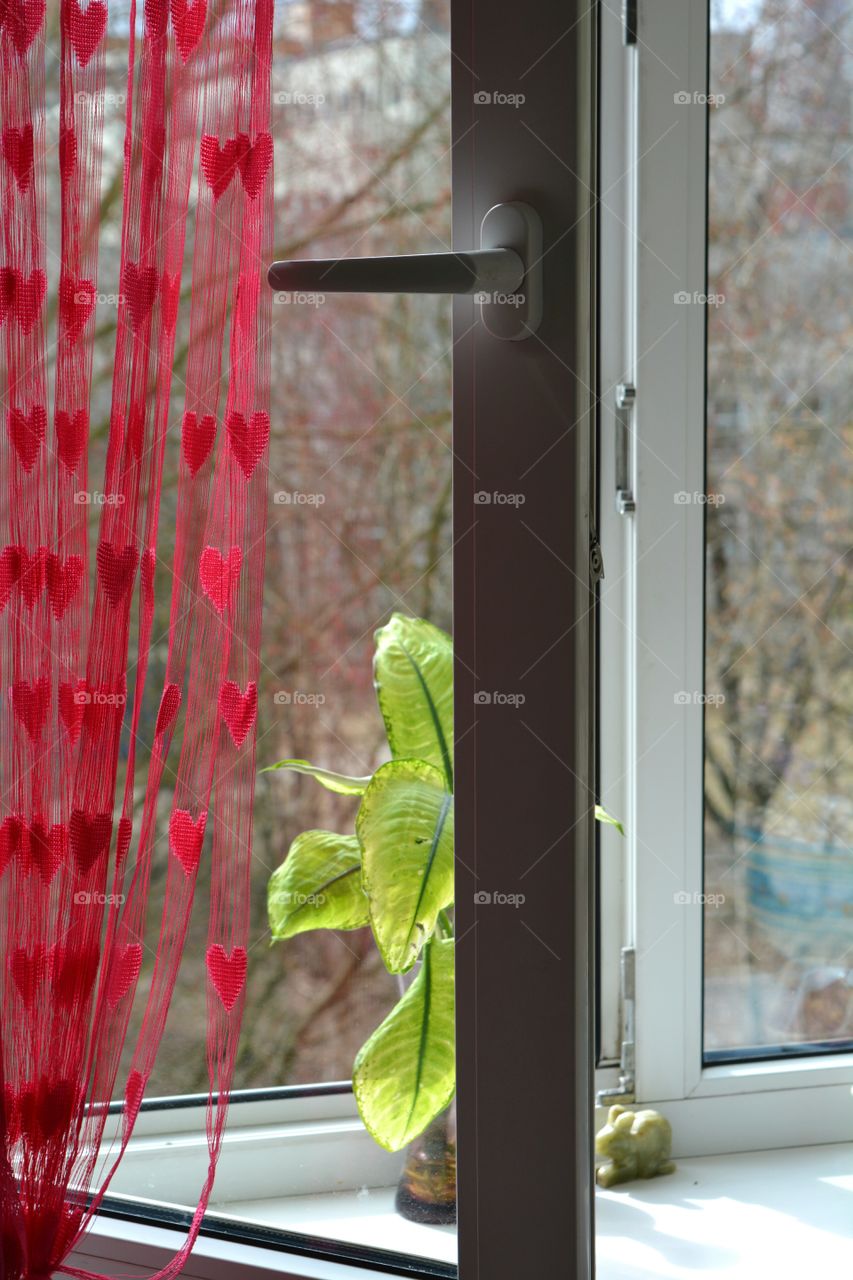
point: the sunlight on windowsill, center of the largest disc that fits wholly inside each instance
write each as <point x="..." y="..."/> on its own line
<point x="774" y="1215"/>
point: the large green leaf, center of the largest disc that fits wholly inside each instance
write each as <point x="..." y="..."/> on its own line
<point x="341" y="783"/>
<point x="405" y="1074"/>
<point x="405" y="828"/>
<point x="413" y="674"/>
<point x="318" y="886"/>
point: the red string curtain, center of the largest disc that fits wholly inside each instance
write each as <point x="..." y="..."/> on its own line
<point x="75" y="866"/>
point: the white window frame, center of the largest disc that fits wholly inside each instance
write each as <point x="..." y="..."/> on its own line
<point x="653" y="245"/>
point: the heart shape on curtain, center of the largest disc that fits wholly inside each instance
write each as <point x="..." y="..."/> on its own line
<point x="71" y="429"/>
<point x="189" y="25"/>
<point x="67" y="152"/>
<point x="63" y="581"/>
<point x="227" y="972"/>
<point x="11" y="834"/>
<point x="76" y="304"/>
<point x="170" y="296"/>
<point x="219" y="575"/>
<point x="123" y="835"/>
<point x="238" y="709"/>
<point x="24" y="19"/>
<point x="72" y="704"/>
<point x="90" y="837"/>
<point x="10" y="572"/>
<point x="139" y="286"/>
<point x="28" y="970"/>
<point x="86" y="28"/>
<point x="31" y="704"/>
<point x="186" y="837"/>
<point x="44" y="849"/>
<point x="248" y="439"/>
<point x="156" y="18"/>
<point x="18" y="151"/>
<point x="133" y="1093"/>
<point x="27" y="296"/>
<point x="170" y="703"/>
<point x="31" y="574"/>
<point x="124" y="970"/>
<point x="116" y="570"/>
<point x="197" y="436"/>
<point x="219" y="163"/>
<point x="255" y="161"/>
<point x="27" y="431"/>
<point x="73" y="972"/>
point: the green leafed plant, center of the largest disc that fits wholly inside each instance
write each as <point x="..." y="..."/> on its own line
<point x="396" y="875"/>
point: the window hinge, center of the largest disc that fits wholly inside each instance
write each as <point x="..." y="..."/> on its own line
<point x="626" y="398"/>
<point x="629" y="21"/>
<point x="596" y="559"/>
<point x="624" y="1091"/>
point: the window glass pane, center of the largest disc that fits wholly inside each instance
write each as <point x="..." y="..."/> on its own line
<point x="779" y="625"/>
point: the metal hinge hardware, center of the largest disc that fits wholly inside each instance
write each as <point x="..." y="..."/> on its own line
<point x="625" y="1090"/>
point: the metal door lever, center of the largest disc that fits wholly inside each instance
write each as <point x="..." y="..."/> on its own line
<point x="504" y="274"/>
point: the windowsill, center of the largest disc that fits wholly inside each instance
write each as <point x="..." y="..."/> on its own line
<point x="775" y="1215"/>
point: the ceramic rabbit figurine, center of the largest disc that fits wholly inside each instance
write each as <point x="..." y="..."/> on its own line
<point x="636" y="1144"/>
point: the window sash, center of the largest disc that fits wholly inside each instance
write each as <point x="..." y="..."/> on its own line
<point x="652" y="615"/>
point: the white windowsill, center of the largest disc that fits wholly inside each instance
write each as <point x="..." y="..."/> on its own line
<point x="775" y="1215"/>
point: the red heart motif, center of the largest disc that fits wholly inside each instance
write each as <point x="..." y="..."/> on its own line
<point x="27" y="431"/>
<point x="248" y="440"/>
<point x="71" y="432"/>
<point x="44" y="848"/>
<point x="18" y="151"/>
<point x="31" y="574"/>
<point x="116" y="570"/>
<point x="12" y="1119"/>
<point x="169" y="704"/>
<point x="156" y="18"/>
<point x="72" y="704"/>
<point x="136" y="429"/>
<point x="219" y="575"/>
<point x="7" y="291"/>
<point x="73" y="973"/>
<point x="220" y="163"/>
<point x="188" y="24"/>
<point x="31" y="703"/>
<point x="227" y="972"/>
<point x="11" y="833"/>
<point x="63" y="580"/>
<point x="133" y="1097"/>
<point x="197" y="436"/>
<point x="146" y="574"/>
<point x="125" y="831"/>
<point x="255" y="161"/>
<point x="86" y="28"/>
<point x="10" y="571"/>
<point x="55" y="1107"/>
<point x="170" y="296"/>
<point x="124" y="970"/>
<point x="27" y="297"/>
<point x="90" y="837"/>
<point x="139" y="286"/>
<point x="28" y="969"/>
<point x="76" y="304"/>
<point x="186" y="838"/>
<point x="24" y="19"/>
<point x="238" y="709"/>
<point x="67" y="151"/>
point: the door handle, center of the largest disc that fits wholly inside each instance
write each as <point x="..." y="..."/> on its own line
<point x="504" y="275"/>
